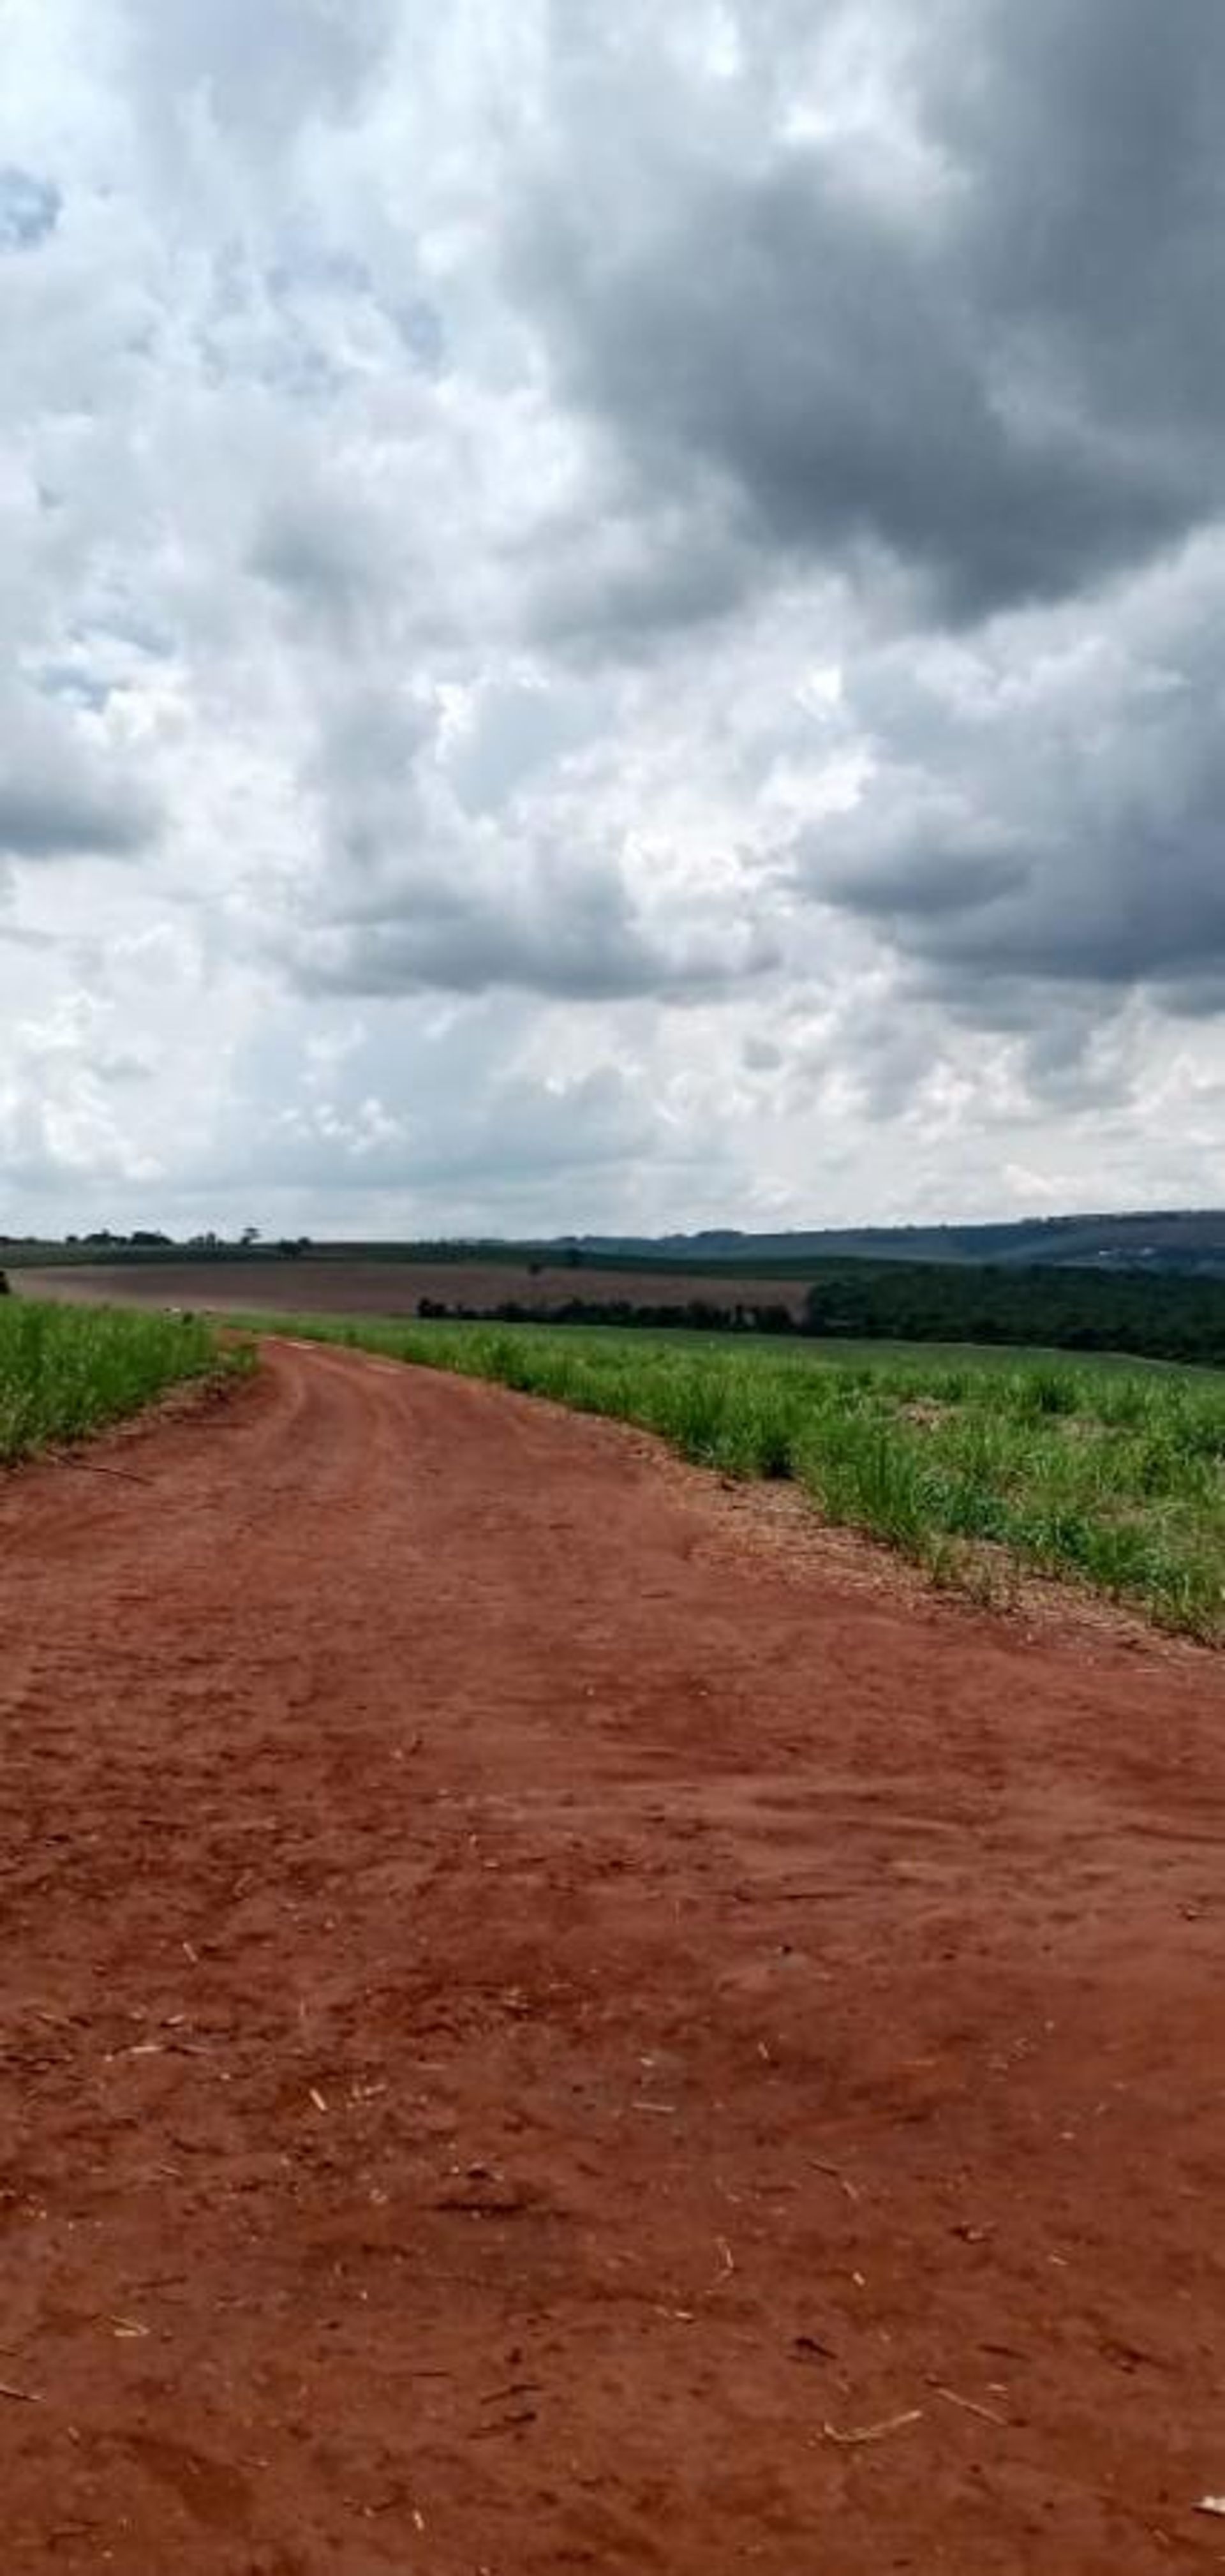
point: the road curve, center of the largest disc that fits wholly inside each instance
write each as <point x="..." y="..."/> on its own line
<point x="536" y="2021"/>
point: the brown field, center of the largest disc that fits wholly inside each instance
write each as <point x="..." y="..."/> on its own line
<point x="325" y="1287"/>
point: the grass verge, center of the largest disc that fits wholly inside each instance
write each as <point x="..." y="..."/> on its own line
<point x="1109" y="1477"/>
<point x="68" y="1370"/>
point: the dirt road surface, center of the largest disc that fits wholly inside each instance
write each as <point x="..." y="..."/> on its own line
<point x="540" y="2035"/>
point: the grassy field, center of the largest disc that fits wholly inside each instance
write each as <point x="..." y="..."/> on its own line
<point x="1079" y="1310"/>
<point x="975" y="1464"/>
<point x="68" y="1370"/>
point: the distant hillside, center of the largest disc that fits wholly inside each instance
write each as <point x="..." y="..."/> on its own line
<point x="1187" y="1241"/>
<point x="1163" y="1242"/>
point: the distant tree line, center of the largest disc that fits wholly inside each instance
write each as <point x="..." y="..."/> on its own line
<point x="1073" y="1310"/>
<point x="692" y="1314"/>
<point x="105" y="1245"/>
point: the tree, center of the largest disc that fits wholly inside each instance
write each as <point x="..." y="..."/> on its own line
<point x="249" y="1235"/>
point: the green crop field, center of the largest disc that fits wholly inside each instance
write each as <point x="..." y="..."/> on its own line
<point x="68" y="1370"/>
<point x="1110" y="1474"/>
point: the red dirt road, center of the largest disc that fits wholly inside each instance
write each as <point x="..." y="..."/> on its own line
<point x="529" y="2022"/>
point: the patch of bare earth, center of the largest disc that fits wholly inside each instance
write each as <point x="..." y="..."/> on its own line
<point x="340" y="1287"/>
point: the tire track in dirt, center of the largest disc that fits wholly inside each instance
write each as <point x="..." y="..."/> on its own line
<point x="519" y="2013"/>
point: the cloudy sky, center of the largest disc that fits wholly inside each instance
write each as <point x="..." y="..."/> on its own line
<point x="611" y="616"/>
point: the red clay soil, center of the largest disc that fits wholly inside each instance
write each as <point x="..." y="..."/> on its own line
<point x="538" y="2037"/>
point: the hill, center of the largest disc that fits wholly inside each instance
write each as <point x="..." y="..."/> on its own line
<point x="1173" y="1239"/>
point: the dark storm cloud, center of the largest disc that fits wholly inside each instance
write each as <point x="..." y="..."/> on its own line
<point x="574" y="939"/>
<point x="49" y="822"/>
<point x="1093" y="143"/>
<point x="326" y="560"/>
<point x="1008" y="379"/>
<point x="56" y="803"/>
<point x="1060" y="821"/>
<point x="1130" y="898"/>
<point x="618" y="583"/>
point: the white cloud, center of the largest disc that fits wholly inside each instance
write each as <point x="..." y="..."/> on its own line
<point x="595" y="631"/>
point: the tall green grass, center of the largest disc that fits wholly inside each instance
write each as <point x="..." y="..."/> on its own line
<point x="1111" y="1477"/>
<point x="68" y="1370"/>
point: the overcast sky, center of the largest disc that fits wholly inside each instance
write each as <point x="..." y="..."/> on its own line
<point x="612" y="616"/>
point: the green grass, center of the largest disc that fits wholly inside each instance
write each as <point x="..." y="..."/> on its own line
<point x="68" y="1370"/>
<point x="972" y="1463"/>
